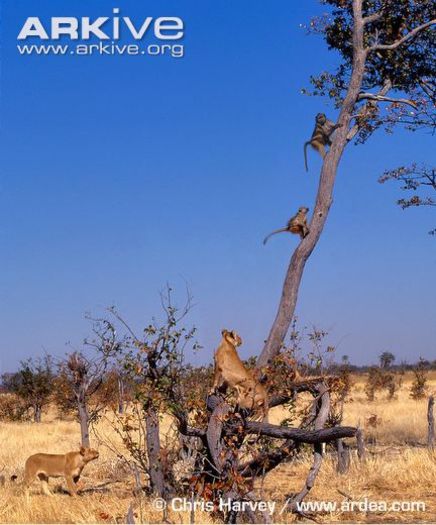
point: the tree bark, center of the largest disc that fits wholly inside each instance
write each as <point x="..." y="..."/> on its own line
<point x="319" y="435"/>
<point x="324" y="199"/>
<point x="153" y="452"/>
<point x="361" y="453"/>
<point x="83" y="418"/>
<point x="213" y="435"/>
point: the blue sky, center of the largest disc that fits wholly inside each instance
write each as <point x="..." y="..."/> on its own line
<point x="119" y="174"/>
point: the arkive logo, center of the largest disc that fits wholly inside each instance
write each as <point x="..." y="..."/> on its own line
<point x="116" y="35"/>
<point x="102" y="28"/>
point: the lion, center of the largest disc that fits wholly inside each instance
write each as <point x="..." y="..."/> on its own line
<point x="69" y="466"/>
<point x="230" y="371"/>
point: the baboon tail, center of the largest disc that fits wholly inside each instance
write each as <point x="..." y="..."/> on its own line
<point x="273" y="233"/>
<point x="305" y="155"/>
<point x="267" y="237"/>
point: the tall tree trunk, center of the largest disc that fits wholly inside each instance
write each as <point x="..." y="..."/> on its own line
<point x="324" y="200"/>
<point x="83" y="417"/>
<point x="153" y="452"/>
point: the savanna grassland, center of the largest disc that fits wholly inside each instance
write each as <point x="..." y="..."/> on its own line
<point x="398" y="468"/>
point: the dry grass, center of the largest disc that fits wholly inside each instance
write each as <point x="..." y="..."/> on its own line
<point x="401" y="421"/>
<point x="397" y="469"/>
<point x="400" y="475"/>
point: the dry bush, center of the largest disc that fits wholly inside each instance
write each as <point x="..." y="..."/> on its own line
<point x="419" y="387"/>
<point x="380" y="379"/>
<point x="13" y="408"/>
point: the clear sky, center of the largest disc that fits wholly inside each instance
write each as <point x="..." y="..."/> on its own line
<point x="119" y="174"/>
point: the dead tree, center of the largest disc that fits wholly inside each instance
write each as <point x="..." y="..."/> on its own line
<point x="85" y="378"/>
<point x="83" y="374"/>
<point x="430" y="420"/>
<point x="161" y="383"/>
<point x="225" y="435"/>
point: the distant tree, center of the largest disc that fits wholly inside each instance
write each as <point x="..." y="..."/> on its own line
<point x="419" y="386"/>
<point x="386" y="360"/>
<point x="114" y="391"/>
<point x="381" y="377"/>
<point x="345" y="378"/>
<point x="372" y="383"/>
<point x="33" y="383"/>
<point x="13" y="408"/>
<point x="420" y="181"/>
<point x="63" y="395"/>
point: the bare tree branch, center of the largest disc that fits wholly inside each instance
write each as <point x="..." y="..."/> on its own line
<point x="368" y="108"/>
<point x="322" y="409"/>
<point x="381" y="98"/>
<point x="405" y="38"/>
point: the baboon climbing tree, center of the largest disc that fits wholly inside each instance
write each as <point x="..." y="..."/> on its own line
<point x="387" y="49"/>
